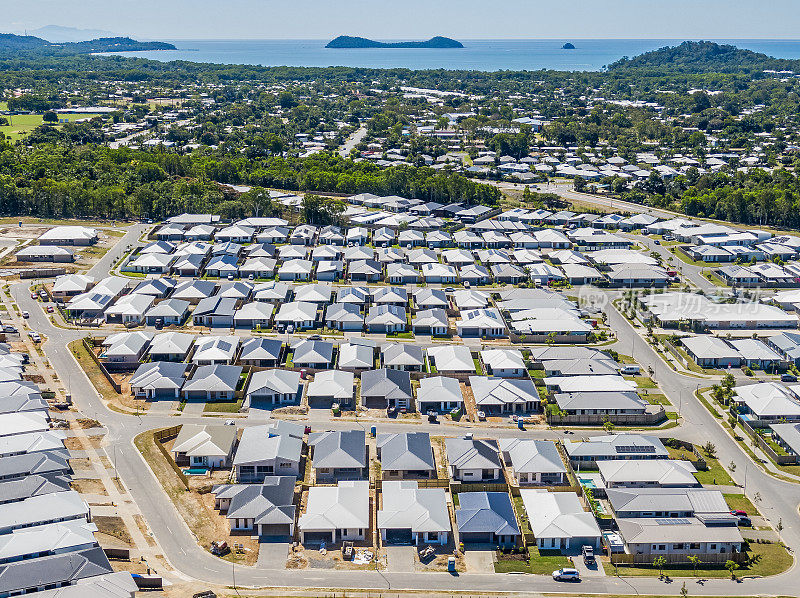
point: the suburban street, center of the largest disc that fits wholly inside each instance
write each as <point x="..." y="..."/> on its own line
<point x="779" y="500"/>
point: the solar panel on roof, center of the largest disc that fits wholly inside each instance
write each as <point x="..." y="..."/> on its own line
<point x="672" y="521"/>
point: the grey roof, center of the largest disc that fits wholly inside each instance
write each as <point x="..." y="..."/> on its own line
<point x="581" y="366"/>
<point x="53" y="462"/>
<point x="30" y="486"/>
<point x="386" y="383"/>
<point x="261" y="348"/>
<point x="34" y="442"/>
<point x="268" y="503"/>
<point x="494" y="391"/>
<point x="215" y="306"/>
<point x="425" y="298"/>
<point x="159" y="375"/>
<point x="268" y="442"/>
<point x="675" y="529"/>
<point x="484" y="512"/>
<point x="168" y="308"/>
<point x="410" y="451"/>
<point x="473" y="453"/>
<point x="312" y="352"/>
<point x="205" y="441"/>
<point x="275" y="381"/>
<point x="194" y="289"/>
<point x="527" y="455"/>
<point x="339" y="449"/>
<point x="64" y="568"/>
<point x="402" y="354"/>
<point x="214" y="378"/>
<point x="618" y="446"/>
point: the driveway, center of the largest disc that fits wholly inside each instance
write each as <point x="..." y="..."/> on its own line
<point x="400" y="559"/>
<point x="479" y="560"/>
<point x="272" y="553"/>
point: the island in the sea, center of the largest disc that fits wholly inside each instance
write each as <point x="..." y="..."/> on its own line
<point x="568" y="46"/>
<point x="438" y="42"/>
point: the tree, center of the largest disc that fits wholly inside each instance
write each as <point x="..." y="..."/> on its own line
<point x="731" y="566"/>
<point x="659" y="563"/>
<point x="608" y="425"/>
<point x="694" y="560"/>
<point x="322" y="211"/>
<point x="728" y="381"/>
<point x="710" y="449"/>
<point x="50" y="117"/>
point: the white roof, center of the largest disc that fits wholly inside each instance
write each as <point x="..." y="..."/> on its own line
<point x="406" y="506"/>
<point x="769" y="399"/>
<point x="558" y="515"/>
<point x="662" y="472"/>
<point x="602" y="383"/>
<point x="344" y="506"/>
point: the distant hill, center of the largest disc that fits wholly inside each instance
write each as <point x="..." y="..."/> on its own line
<point x="59" y="35"/>
<point x="30" y="44"/>
<point x="702" y="56"/>
<point x="438" y="42"/>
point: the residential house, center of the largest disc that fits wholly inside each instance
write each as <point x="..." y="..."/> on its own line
<point x="559" y="522"/>
<point x="336" y="513"/>
<point x="410" y="514"/>
<point x="406" y="455"/>
<point x="266" y="509"/>
<point x="204" y="446"/>
<point x="503" y="395"/>
<point x="487" y="518"/>
<point x="386" y="388"/>
<point x="212" y="383"/>
<point x="535" y="462"/>
<point x="273" y="449"/>
<point x="273" y="387"/>
<point x="338" y="455"/>
<point x="474" y="459"/>
<point x="439" y="394"/>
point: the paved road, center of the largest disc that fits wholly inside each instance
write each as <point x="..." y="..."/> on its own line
<point x="352" y="141"/>
<point x="779" y="499"/>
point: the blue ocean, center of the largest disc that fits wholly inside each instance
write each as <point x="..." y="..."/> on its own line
<point x="481" y="55"/>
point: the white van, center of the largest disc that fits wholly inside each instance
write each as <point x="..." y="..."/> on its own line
<point x="630" y="368"/>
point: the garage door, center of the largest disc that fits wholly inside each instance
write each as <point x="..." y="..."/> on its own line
<point x="398" y="536"/>
<point x="273" y="530"/>
<point x="317" y="537"/>
<point x="476" y="538"/>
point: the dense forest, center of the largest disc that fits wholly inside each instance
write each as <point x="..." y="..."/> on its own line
<point x="93" y="180"/>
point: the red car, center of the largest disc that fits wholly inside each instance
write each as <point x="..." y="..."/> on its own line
<point x="739" y="513"/>
<point x="34" y="296"/>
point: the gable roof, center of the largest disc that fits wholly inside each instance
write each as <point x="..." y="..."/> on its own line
<point x="344" y="506"/>
<point x="406" y="506"/>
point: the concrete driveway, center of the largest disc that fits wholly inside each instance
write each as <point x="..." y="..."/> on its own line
<point x="400" y="559"/>
<point x="272" y="553"/>
<point x="479" y="559"/>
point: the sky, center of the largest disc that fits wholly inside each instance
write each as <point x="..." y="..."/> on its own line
<point x="413" y="19"/>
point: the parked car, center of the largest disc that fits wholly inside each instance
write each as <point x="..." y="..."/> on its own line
<point x="466" y="284"/>
<point x="34" y="296"/>
<point x="739" y="513"/>
<point x="43" y="295"/>
<point x="159" y="323"/>
<point x="26" y="315"/>
<point x="788" y="378"/>
<point x="566" y="574"/>
<point x="745" y="521"/>
<point x="588" y="555"/>
<point x="657" y="242"/>
<point x="481" y="416"/>
<point x="8" y="329"/>
<point x="230" y="422"/>
<point x="449" y="289"/>
<point x="315" y="337"/>
<point x="35" y="337"/>
<point x="50" y="309"/>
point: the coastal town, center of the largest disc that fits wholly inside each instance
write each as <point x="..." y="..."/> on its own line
<point x="326" y="331"/>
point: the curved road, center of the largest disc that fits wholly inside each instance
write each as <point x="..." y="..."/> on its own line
<point x="779" y="499"/>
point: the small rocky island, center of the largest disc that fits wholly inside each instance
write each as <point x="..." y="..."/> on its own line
<point x="568" y="46"/>
<point x="438" y="42"/>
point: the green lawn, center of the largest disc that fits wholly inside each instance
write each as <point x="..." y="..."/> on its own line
<point x="774" y="560"/>
<point x="715" y="473"/>
<point x="539" y="564"/>
<point x="656" y="398"/>
<point x="22" y="124"/>
<point x="478" y="367"/>
<point x="740" y="502"/>
<point x="223" y="406"/>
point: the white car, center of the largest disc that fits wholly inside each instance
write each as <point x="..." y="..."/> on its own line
<point x="566" y="574"/>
